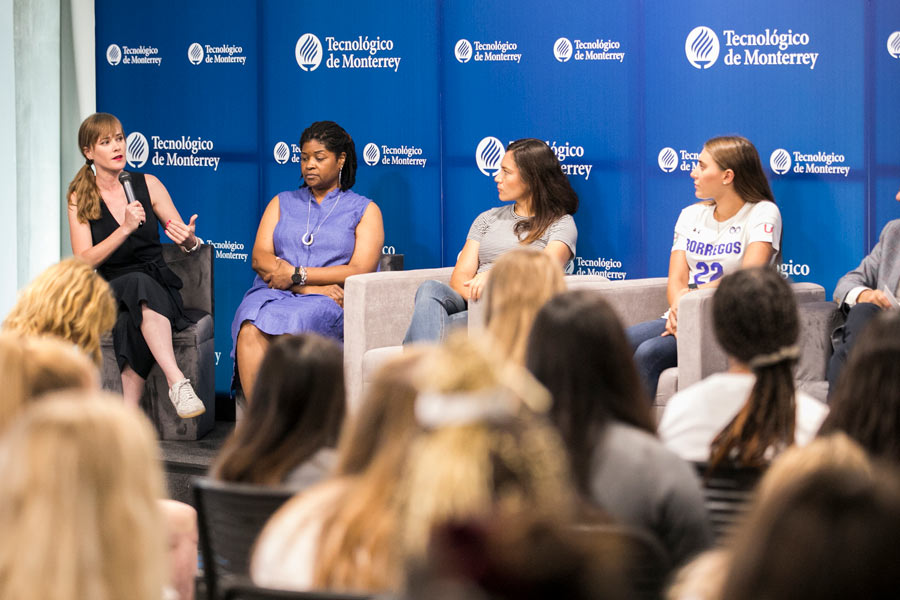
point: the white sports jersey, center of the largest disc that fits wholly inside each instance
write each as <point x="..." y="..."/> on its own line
<point x="714" y="249"/>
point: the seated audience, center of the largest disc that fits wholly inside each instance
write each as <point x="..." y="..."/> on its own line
<point x="829" y="535"/>
<point x="522" y="280"/>
<point x="703" y="577"/>
<point x="79" y="502"/>
<point x="32" y="367"/>
<point x="579" y="351"/>
<point x="749" y="414"/>
<point x="67" y="300"/>
<point x="866" y="403"/>
<point x="538" y="206"/>
<point x="338" y="534"/>
<point x="861" y="294"/>
<point x="288" y="433"/>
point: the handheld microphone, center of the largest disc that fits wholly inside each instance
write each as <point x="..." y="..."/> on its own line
<point x="125" y="180"/>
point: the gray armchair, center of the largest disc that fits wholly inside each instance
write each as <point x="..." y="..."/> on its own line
<point x="378" y="308"/>
<point x="700" y="355"/>
<point x="194" y="350"/>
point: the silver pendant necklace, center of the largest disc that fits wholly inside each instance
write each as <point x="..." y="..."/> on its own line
<point x="309" y="238"/>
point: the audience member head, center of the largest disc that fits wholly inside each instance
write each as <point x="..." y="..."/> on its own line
<point x="386" y="416"/>
<point x="831" y="451"/>
<point x="338" y="142"/>
<point x="578" y="350"/>
<point x="68" y="300"/>
<point x="357" y="548"/>
<point x="704" y="577"/>
<point x="96" y="127"/>
<point x="739" y="154"/>
<point x="78" y="504"/>
<point x="517" y="556"/>
<point x="832" y="534"/>
<point x="521" y="282"/>
<point x="756" y="323"/>
<point x="33" y="366"/>
<point x="482" y="452"/>
<point x="866" y="402"/>
<point x="551" y="193"/>
<point x="297" y="409"/>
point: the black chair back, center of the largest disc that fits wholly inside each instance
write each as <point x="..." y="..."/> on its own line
<point x="647" y="564"/>
<point x="251" y="592"/>
<point x="727" y="492"/>
<point x="230" y="517"/>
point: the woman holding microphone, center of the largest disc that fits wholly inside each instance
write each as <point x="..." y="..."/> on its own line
<point x="121" y="240"/>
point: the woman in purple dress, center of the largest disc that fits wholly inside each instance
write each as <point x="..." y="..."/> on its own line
<point x="308" y="242"/>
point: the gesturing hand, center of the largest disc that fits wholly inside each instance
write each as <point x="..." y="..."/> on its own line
<point x="182" y="234"/>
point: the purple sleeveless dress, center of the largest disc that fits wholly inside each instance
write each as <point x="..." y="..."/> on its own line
<point x="281" y="311"/>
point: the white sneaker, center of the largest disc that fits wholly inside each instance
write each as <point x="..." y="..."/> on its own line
<point x="186" y="402"/>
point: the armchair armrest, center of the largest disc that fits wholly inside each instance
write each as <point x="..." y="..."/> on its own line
<point x="699" y="354"/>
<point x="378" y="308"/>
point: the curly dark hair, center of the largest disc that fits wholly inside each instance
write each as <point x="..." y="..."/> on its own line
<point x="336" y="140"/>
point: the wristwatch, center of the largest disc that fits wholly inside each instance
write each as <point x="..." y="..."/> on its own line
<point x="692" y="286"/>
<point x="299" y="276"/>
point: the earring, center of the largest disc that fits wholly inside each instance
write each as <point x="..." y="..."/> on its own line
<point x="341" y="175"/>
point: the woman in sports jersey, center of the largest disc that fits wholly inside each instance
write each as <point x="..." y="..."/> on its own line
<point x="736" y="224"/>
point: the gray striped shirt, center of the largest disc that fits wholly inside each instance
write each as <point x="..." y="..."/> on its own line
<point x="493" y="230"/>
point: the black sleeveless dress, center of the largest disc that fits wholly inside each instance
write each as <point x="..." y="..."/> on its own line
<point x="137" y="273"/>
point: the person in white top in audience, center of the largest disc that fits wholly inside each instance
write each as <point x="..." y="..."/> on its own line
<point x="749" y="414"/>
<point x="339" y="534"/>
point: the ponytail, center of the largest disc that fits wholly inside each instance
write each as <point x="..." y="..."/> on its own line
<point x="756" y="323"/>
<point x="765" y="422"/>
<point x="86" y="193"/>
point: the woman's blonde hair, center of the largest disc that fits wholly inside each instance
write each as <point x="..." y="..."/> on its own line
<point x="521" y="282"/>
<point x="68" y="300"/>
<point x="84" y="186"/>
<point x="78" y="504"/>
<point x="483" y="451"/>
<point x="357" y="548"/>
<point x="33" y="366"/>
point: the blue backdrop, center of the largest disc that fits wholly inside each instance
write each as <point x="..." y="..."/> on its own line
<point x="214" y="96"/>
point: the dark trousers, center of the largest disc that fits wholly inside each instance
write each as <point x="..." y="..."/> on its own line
<point x="857" y="319"/>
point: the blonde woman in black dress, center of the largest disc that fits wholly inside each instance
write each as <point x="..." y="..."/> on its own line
<point x="121" y="240"/>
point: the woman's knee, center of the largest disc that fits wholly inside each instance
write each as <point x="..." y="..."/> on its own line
<point x="430" y="290"/>
<point x="657" y="350"/>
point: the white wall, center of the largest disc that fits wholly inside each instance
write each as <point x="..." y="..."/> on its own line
<point x="47" y="85"/>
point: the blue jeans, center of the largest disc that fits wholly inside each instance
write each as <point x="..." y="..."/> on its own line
<point x="438" y="310"/>
<point x="653" y="353"/>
